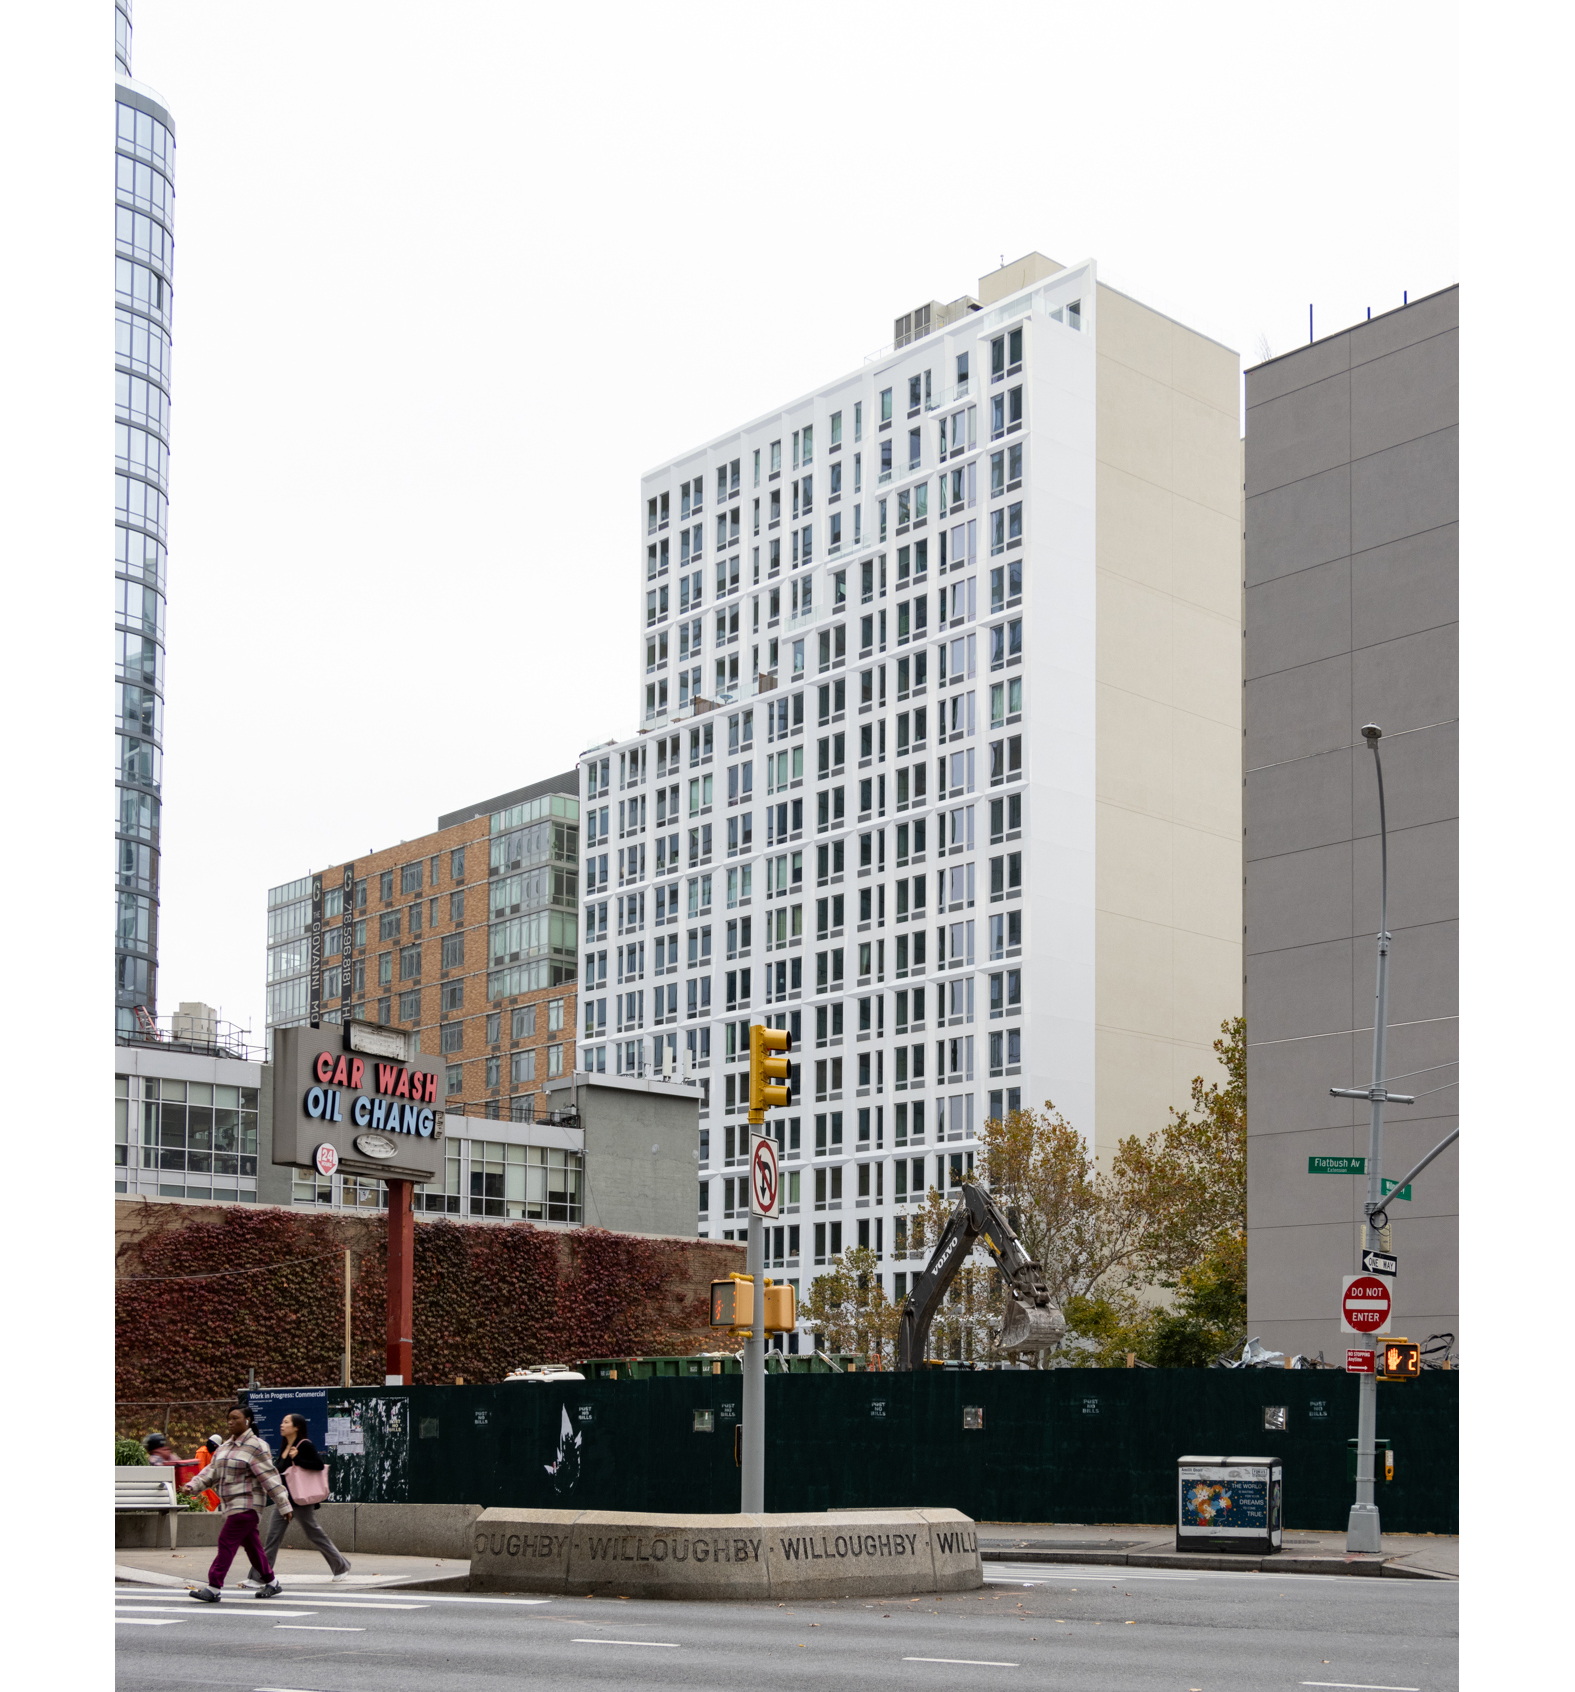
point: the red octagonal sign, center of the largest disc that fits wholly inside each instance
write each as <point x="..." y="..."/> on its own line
<point x="1364" y="1304"/>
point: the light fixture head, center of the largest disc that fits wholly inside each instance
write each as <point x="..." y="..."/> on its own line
<point x="1372" y="734"/>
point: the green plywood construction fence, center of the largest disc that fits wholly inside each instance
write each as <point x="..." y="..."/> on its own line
<point x="1061" y="1445"/>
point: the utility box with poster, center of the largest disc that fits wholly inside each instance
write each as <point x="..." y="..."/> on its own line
<point x="1229" y="1504"/>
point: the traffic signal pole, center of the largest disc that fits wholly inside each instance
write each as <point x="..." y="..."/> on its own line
<point x="1363" y="1528"/>
<point x="752" y="1490"/>
<point x="768" y="1072"/>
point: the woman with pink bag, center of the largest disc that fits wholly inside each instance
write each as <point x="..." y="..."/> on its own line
<point x="306" y="1478"/>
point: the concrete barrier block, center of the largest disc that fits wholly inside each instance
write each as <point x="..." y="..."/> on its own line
<point x="849" y="1553"/>
<point x="520" y="1550"/>
<point x="642" y="1555"/>
<point x="413" y="1530"/>
<point x="134" y="1532"/>
<point x="955" y="1547"/>
<point x="336" y="1520"/>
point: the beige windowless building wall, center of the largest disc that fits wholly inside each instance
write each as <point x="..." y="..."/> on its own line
<point x="1168" y="888"/>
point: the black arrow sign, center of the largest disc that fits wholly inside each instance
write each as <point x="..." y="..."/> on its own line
<point x="1380" y="1263"/>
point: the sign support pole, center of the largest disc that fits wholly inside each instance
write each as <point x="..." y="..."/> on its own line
<point x="1363" y="1528"/>
<point x="752" y="1490"/>
<point x="401" y="1282"/>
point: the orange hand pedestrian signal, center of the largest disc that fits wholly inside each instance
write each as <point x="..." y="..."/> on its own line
<point x="1401" y="1360"/>
<point x="768" y="1071"/>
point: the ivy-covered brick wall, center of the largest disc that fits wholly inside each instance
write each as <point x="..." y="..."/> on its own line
<point x="205" y="1293"/>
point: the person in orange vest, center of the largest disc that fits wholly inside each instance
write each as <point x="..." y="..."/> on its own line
<point x="205" y="1454"/>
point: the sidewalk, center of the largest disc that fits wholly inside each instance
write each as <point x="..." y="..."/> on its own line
<point x="1145" y="1545"/>
<point x="1153" y="1545"/>
<point x="295" y="1568"/>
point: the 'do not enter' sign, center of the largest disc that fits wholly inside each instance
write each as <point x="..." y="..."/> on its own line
<point x="1364" y="1304"/>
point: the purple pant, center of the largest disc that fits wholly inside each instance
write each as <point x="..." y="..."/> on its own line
<point x="238" y="1532"/>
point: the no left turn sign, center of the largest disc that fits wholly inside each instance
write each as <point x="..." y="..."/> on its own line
<point x="765" y="1186"/>
<point x="1364" y="1304"/>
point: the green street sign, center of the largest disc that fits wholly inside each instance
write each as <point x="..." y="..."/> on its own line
<point x="1352" y="1166"/>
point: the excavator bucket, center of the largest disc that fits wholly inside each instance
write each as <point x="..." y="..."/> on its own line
<point x="1030" y="1327"/>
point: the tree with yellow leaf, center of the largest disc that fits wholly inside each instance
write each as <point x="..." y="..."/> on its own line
<point x="847" y="1309"/>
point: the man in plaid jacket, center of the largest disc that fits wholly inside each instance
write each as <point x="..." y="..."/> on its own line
<point x="242" y="1470"/>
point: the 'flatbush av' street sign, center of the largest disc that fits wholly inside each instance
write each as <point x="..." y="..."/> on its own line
<point x="1352" y="1166"/>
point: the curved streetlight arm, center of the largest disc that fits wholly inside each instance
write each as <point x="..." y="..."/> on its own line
<point x="1376" y="1211"/>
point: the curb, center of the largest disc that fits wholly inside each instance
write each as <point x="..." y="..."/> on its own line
<point x="1362" y="1566"/>
<point x="147" y="1577"/>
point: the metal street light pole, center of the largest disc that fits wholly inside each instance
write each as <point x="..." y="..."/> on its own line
<point x="1363" y="1531"/>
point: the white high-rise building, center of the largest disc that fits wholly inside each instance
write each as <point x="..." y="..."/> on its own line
<point x="939" y="761"/>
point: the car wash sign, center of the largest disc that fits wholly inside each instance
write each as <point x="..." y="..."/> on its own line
<point x="364" y="1093"/>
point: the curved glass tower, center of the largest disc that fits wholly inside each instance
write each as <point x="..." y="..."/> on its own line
<point x="144" y="260"/>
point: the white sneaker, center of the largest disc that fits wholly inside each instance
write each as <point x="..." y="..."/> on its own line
<point x="246" y="1580"/>
<point x="344" y="1573"/>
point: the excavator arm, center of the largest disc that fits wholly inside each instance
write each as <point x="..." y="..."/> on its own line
<point x="1033" y="1323"/>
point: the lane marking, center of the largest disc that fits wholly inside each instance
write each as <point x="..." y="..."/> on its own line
<point x="357" y="1604"/>
<point x="651" y="1644"/>
<point x="323" y="1603"/>
<point x="146" y="1621"/>
<point x="1360" y="1686"/>
<point x="963" y="1662"/>
<point x="307" y="1627"/>
<point x="218" y="1609"/>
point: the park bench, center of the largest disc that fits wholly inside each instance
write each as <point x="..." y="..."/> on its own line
<point x="145" y="1491"/>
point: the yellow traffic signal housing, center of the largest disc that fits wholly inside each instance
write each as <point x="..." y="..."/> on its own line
<point x="781" y="1309"/>
<point x="768" y="1070"/>
<point x="1400" y="1360"/>
<point x="733" y="1303"/>
<point x="733" y="1306"/>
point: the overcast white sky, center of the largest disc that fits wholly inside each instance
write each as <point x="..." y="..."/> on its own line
<point x="450" y="278"/>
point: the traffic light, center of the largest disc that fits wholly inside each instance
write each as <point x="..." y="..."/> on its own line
<point x="1400" y="1360"/>
<point x="768" y="1072"/>
<point x="733" y="1303"/>
<point x="781" y="1308"/>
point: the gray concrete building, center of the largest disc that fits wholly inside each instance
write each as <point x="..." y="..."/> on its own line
<point x="636" y="1137"/>
<point x="1351" y="616"/>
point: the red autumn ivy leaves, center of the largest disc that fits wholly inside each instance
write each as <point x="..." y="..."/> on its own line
<point x="488" y="1298"/>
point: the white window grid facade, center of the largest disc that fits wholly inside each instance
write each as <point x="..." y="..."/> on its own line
<point x="815" y="661"/>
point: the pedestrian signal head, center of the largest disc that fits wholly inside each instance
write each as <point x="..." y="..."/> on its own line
<point x="1400" y="1360"/>
<point x="769" y="1067"/>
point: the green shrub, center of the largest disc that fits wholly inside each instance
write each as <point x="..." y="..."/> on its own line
<point x="129" y="1453"/>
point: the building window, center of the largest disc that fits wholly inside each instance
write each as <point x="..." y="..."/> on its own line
<point x="410" y="877"/>
<point x="454" y="1079"/>
<point x="410" y="1006"/>
<point x="453" y="1038"/>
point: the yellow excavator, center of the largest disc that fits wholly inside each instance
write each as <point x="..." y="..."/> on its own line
<point x="1033" y="1321"/>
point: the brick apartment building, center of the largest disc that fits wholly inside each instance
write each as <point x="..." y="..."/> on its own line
<point x="468" y="936"/>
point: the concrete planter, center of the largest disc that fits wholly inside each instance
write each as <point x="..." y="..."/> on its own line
<point x="406" y="1530"/>
<point x="842" y="1553"/>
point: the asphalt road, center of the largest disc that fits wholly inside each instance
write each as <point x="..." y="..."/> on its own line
<point x="1069" y="1628"/>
